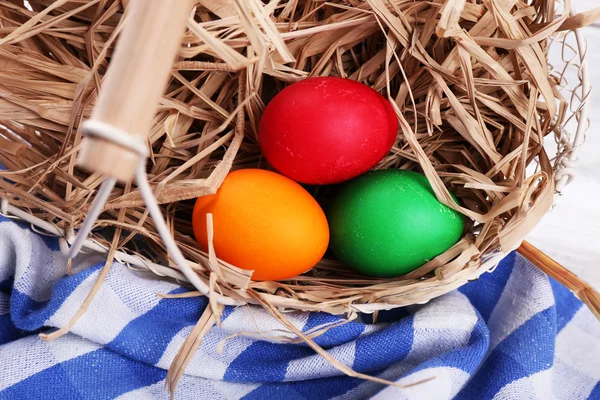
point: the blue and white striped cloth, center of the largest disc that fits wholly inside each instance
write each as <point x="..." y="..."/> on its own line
<point x="512" y="334"/>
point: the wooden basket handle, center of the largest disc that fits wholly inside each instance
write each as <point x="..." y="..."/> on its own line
<point x="131" y="90"/>
<point x="583" y="291"/>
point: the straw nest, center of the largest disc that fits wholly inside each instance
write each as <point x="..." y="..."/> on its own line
<point x="469" y="82"/>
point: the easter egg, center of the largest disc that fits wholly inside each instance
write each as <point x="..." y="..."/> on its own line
<point x="387" y="223"/>
<point x="264" y="222"/>
<point x="326" y="130"/>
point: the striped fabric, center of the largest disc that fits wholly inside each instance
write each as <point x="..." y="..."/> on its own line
<point x="512" y="334"/>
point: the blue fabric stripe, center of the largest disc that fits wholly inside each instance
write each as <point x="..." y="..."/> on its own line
<point x="278" y="356"/>
<point x="315" y="389"/>
<point x="6" y="285"/>
<point x="274" y="391"/>
<point x="52" y="384"/>
<point x="227" y="311"/>
<point x="393" y="315"/>
<point x="166" y="319"/>
<point x="383" y="348"/>
<point x="101" y="374"/>
<point x="21" y="224"/>
<point x="126" y="363"/>
<point x="8" y="331"/>
<point x="485" y="292"/>
<point x="51" y="241"/>
<point x="528" y="350"/>
<point x="334" y="336"/>
<point x="567" y="304"/>
<point x="595" y="393"/>
<point x="468" y="358"/>
<point x="480" y="333"/>
<point x="30" y="315"/>
<point x="273" y="365"/>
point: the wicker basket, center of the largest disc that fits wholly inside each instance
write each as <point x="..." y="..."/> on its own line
<point x="46" y="49"/>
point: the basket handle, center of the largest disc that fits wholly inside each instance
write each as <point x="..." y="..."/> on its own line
<point x="131" y="90"/>
<point x="584" y="292"/>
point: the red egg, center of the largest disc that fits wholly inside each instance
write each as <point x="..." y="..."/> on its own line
<point x="327" y="130"/>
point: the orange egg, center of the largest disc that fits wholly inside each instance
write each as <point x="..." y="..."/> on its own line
<point x="264" y="222"/>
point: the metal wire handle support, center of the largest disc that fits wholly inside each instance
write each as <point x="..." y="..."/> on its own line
<point x="134" y="143"/>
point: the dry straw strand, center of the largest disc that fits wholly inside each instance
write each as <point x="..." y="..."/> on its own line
<point x="463" y="77"/>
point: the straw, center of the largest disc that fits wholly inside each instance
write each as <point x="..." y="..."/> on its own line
<point x="469" y="81"/>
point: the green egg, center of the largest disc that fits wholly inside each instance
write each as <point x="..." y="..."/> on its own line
<point x="388" y="223"/>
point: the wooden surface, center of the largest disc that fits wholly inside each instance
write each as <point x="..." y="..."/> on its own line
<point x="570" y="233"/>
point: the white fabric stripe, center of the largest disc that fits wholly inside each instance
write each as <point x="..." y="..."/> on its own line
<point x="206" y="362"/>
<point x="447" y="383"/>
<point x="315" y="366"/>
<point x="439" y="326"/>
<point x="37" y="280"/>
<point x="253" y="319"/>
<point x="534" y="387"/>
<point x="24" y="358"/>
<point x="587" y="322"/>
<point x="173" y="347"/>
<point x="372" y="328"/>
<point x="70" y="346"/>
<point x="114" y="305"/>
<point x="105" y="317"/>
<point x="569" y="384"/>
<point x="72" y="303"/>
<point x="452" y="317"/>
<point x="30" y="355"/>
<point x="575" y="348"/>
<point x="142" y="394"/>
<point x="192" y="388"/>
<point x="12" y="235"/>
<point x="527" y="287"/>
<point x="368" y="389"/>
<point x="148" y="287"/>
<point x="451" y="311"/>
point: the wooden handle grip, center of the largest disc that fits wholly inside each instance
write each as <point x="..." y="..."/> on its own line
<point x="584" y="292"/>
<point x="138" y="73"/>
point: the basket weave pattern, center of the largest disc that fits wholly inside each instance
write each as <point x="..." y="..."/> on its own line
<point x="470" y="82"/>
